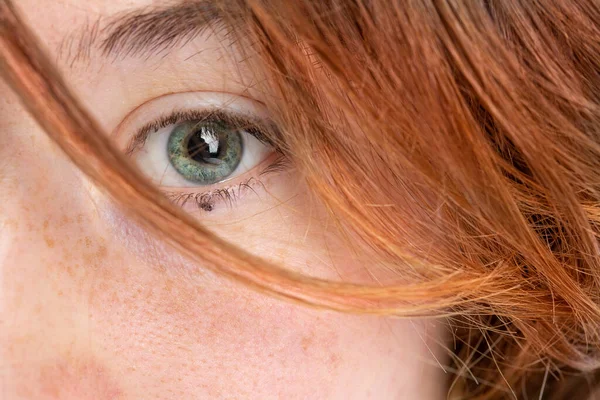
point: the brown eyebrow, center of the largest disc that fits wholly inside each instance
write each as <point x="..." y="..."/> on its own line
<point x="144" y="32"/>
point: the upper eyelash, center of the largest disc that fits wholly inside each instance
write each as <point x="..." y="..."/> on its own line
<point x="263" y="129"/>
<point x="280" y="164"/>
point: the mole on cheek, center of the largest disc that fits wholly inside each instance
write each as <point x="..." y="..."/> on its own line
<point x="83" y="379"/>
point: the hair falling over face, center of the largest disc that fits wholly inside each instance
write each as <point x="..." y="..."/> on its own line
<point x="460" y="140"/>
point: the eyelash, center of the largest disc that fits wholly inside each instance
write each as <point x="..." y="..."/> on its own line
<point x="257" y="127"/>
<point x="206" y="200"/>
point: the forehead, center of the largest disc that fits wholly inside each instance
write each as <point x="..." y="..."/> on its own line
<point x="53" y="20"/>
<point x="141" y="29"/>
<point x="111" y="85"/>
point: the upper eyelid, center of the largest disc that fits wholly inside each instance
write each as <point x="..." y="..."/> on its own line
<point x="228" y="97"/>
<point x="196" y="104"/>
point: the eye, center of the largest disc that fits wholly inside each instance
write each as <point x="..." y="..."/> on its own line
<point x="202" y="147"/>
<point x="201" y="152"/>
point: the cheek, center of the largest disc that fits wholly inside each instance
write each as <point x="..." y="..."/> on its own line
<point x="175" y="333"/>
<point x="173" y="340"/>
<point x="50" y="250"/>
<point x="48" y="259"/>
<point x="78" y="379"/>
<point x="212" y="339"/>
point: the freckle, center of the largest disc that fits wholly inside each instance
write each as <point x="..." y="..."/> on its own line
<point x="102" y="252"/>
<point x="88" y="259"/>
<point x="88" y="241"/>
<point x="306" y="342"/>
<point x="169" y="285"/>
<point x="71" y="270"/>
<point x="45" y="225"/>
<point x="49" y="242"/>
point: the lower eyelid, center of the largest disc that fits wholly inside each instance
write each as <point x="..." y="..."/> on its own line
<point x="206" y="198"/>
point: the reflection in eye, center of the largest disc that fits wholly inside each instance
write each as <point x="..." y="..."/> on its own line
<point x="192" y="155"/>
<point x="206" y="152"/>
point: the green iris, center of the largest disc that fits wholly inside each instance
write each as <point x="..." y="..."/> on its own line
<point x="204" y="152"/>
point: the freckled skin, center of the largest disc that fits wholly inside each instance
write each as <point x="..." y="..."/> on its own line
<point x="92" y="307"/>
<point x="77" y="380"/>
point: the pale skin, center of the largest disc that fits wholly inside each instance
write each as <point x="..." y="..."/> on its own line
<point x="93" y="307"/>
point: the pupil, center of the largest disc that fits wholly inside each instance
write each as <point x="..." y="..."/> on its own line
<point x="203" y="145"/>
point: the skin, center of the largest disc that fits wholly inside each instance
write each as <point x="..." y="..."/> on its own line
<point x="93" y="307"/>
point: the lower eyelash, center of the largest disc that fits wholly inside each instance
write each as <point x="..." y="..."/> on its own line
<point x="206" y="201"/>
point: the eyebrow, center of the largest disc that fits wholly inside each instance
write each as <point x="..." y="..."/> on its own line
<point x="144" y="32"/>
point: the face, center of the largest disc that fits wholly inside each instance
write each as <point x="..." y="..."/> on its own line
<point x="94" y="307"/>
